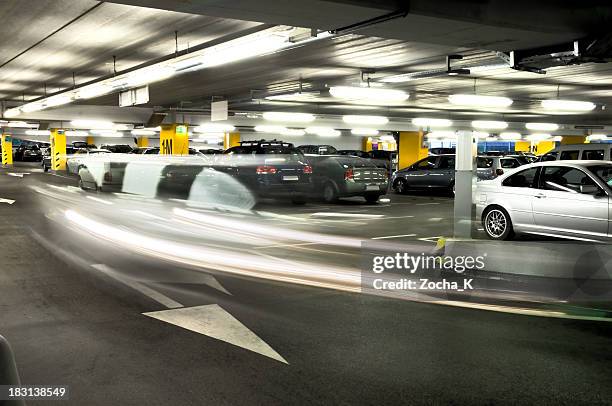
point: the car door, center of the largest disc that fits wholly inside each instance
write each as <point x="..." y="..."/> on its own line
<point x="444" y="174"/>
<point x="560" y="205"/>
<point x="417" y="175"/>
<point x="518" y="191"/>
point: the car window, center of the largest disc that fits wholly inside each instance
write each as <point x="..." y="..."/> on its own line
<point x="509" y="163"/>
<point x="603" y="172"/>
<point x="595" y="154"/>
<point x="564" y="179"/>
<point x="447" y="162"/>
<point x="482" y="162"/>
<point x="551" y="156"/>
<point x="565" y="155"/>
<point x="427" y="163"/>
<point x="524" y="178"/>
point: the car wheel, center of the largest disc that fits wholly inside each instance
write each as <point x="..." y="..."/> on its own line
<point x="372" y="198"/>
<point x="81" y="185"/>
<point x="46" y="168"/>
<point x="497" y="224"/>
<point x="329" y="193"/>
<point x="400" y="186"/>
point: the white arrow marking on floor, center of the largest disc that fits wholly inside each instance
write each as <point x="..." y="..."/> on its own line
<point x="9" y="201"/>
<point x="212" y="320"/>
<point x="19" y="175"/>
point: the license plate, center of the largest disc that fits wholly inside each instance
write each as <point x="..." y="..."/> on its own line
<point x="372" y="187"/>
<point x="290" y="178"/>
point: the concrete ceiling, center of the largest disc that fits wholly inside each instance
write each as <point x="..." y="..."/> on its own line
<point x="82" y="36"/>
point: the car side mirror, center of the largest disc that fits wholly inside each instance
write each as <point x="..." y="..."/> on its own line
<point x="589" y="189"/>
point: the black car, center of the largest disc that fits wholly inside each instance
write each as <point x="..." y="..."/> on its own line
<point x="118" y="148"/>
<point x="354" y="152"/>
<point x="318" y="149"/>
<point x="28" y="152"/>
<point x="269" y="169"/>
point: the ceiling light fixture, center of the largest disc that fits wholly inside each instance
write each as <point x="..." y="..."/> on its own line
<point x="567" y="105"/>
<point x="538" y="137"/>
<point x="368" y="93"/>
<point x="293" y="132"/>
<point x="38" y="132"/>
<point x="76" y="133"/>
<point x="431" y="122"/>
<point x="141" y="132"/>
<point x="365" y="120"/>
<point x="20" y="124"/>
<point x="480" y="135"/>
<point x="275" y="129"/>
<point x="364" y="131"/>
<point x="288" y="117"/>
<point x="441" y="134"/>
<point x="542" y="126"/>
<point x="323" y="131"/>
<point x="475" y="100"/>
<point x="489" y="125"/>
<point x="214" y="128"/>
<point x="509" y="136"/>
<point x="597" y="137"/>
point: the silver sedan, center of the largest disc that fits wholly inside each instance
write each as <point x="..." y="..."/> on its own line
<point x="566" y="199"/>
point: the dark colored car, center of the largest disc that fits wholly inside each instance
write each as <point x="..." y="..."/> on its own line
<point x="46" y="159"/>
<point x="318" y="149"/>
<point x="28" y="152"/>
<point x="385" y="159"/>
<point x="336" y="176"/>
<point x="118" y="148"/>
<point x="211" y="151"/>
<point x="145" y="151"/>
<point x="272" y="169"/>
<point x="354" y="152"/>
<point x="441" y="151"/>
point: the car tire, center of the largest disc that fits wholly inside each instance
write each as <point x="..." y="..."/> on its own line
<point x="45" y="168"/>
<point x="497" y="223"/>
<point x="81" y="185"/>
<point x="400" y="186"/>
<point x="372" y="198"/>
<point x="329" y="193"/>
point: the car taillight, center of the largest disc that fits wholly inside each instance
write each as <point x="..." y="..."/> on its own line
<point x="348" y="175"/>
<point x="499" y="172"/>
<point x="108" y="177"/>
<point x="307" y="169"/>
<point x="265" y="170"/>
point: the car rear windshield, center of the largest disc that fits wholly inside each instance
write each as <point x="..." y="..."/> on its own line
<point x="484" y="162"/>
<point x="354" y="162"/>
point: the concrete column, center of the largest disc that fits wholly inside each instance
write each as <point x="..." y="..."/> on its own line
<point x="142" y="142"/>
<point x="367" y="144"/>
<point x="231" y="140"/>
<point x="89" y="139"/>
<point x="410" y="148"/>
<point x="464" y="179"/>
<point x="174" y="140"/>
<point x="6" y="141"/>
<point x="58" y="150"/>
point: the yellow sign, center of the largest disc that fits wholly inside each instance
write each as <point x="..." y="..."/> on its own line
<point x="174" y="140"/>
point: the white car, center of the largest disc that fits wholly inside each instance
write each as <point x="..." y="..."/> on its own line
<point x="567" y="199"/>
<point x="74" y="162"/>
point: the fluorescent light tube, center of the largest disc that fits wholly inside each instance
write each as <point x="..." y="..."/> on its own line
<point x="510" y="136"/>
<point x="364" y="131"/>
<point x="368" y="93"/>
<point x="567" y="105"/>
<point x="365" y="120"/>
<point x="479" y="100"/>
<point x="432" y="122"/>
<point x="214" y="128"/>
<point x="489" y="125"/>
<point x="288" y="117"/>
<point x="542" y="126"/>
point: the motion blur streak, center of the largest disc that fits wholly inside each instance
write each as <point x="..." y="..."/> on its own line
<point x="241" y="226"/>
<point x="237" y="263"/>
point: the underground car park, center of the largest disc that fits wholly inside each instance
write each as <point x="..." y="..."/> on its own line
<point x="317" y="202"/>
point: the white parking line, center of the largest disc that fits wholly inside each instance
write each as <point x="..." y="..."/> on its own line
<point x="393" y="236"/>
<point x="355" y="215"/>
<point x="425" y="204"/>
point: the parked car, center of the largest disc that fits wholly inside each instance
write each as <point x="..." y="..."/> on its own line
<point x="590" y="151"/>
<point x="102" y="175"/>
<point x="337" y="176"/>
<point x="354" y="152"/>
<point x="441" y="151"/>
<point x="385" y="159"/>
<point x="318" y="149"/>
<point x="567" y="199"/>
<point x="118" y="148"/>
<point x="211" y="151"/>
<point x="273" y="169"/>
<point x="145" y="151"/>
<point x="437" y="172"/>
<point x="74" y="162"/>
<point x="28" y="152"/>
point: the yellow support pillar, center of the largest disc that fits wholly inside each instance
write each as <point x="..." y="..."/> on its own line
<point x="573" y="139"/>
<point x="367" y="144"/>
<point x="58" y="150"/>
<point x="543" y="147"/>
<point x="231" y="140"/>
<point x="410" y="148"/>
<point x="142" y="142"/>
<point x="7" y="149"/>
<point x="89" y="140"/>
<point x="522" y="146"/>
<point x="174" y="140"/>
